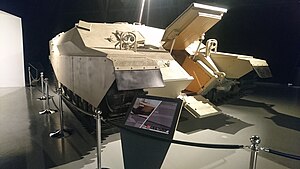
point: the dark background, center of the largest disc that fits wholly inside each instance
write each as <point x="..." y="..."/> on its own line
<point x="266" y="29"/>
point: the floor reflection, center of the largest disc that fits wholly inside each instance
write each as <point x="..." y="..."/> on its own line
<point x="27" y="143"/>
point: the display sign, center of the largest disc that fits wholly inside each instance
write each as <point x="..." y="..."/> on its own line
<point x="155" y="114"/>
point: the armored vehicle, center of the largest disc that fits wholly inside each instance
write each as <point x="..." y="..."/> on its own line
<point x="104" y="65"/>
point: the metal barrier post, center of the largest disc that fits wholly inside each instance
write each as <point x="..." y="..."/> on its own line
<point x="61" y="132"/>
<point x="42" y="83"/>
<point x="43" y="97"/>
<point x="255" y="140"/>
<point x="48" y="110"/>
<point x="47" y="93"/>
<point x="29" y="76"/>
<point x="61" y="112"/>
<point x="98" y="130"/>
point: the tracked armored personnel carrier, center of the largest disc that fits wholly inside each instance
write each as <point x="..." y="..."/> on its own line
<point x="104" y="65"/>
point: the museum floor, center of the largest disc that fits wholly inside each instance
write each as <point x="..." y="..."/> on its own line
<point x="271" y="112"/>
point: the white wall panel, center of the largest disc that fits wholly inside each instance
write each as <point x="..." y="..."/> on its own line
<point x="11" y="51"/>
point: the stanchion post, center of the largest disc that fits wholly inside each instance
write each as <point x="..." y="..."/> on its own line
<point x="29" y="76"/>
<point x="61" y="112"/>
<point x="255" y="140"/>
<point x="42" y="83"/>
<point x="43" y="97"/>
<point x="47" y="93"/>
<point x="98" y="126"/>
<point x="61" y="132"/>
<point x="48" y="110"/>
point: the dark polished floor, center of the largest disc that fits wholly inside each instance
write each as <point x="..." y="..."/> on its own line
<point x="272" y="112"/>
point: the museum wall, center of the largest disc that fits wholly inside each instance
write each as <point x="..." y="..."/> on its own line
<point x="266" y="29"/>
<point x="11" y="51"/>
